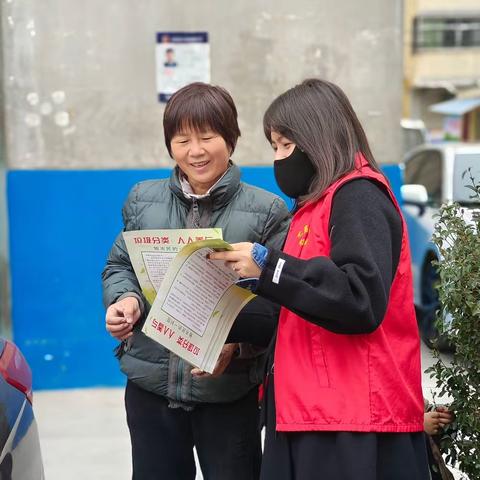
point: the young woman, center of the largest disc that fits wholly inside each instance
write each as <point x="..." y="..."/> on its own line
<point x="344" y="398"/>
<point x="169" y="409"/>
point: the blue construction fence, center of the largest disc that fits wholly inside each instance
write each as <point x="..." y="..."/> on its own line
<point x="61" y="227"/>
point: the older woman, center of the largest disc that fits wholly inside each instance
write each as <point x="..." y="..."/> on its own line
<point x="169" y="410"/>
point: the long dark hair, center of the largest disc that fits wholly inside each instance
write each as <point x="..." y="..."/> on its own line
<point x="318" y="117"/>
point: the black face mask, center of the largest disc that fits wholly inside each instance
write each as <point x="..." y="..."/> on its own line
<point x="294" y="173"/>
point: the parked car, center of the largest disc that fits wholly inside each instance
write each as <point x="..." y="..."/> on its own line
<point x="434" y="174"/>
<point x="414" y="133"/>
<point x="20" y="457"/>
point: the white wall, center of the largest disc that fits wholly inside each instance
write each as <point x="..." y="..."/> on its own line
<point x="99" y="57"/>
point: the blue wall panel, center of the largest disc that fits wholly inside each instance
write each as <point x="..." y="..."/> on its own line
<point x="62" y="224"/>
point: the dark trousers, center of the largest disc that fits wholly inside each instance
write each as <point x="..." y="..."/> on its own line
<point x="225" y="435"/>
<point x="340" y="455"/>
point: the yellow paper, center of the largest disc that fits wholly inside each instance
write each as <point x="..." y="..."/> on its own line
<point x="152" y="251"/>
<point x="196" y="305"/>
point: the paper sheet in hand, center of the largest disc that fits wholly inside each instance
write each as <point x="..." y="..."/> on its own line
<point x="152" y="251"/>
<point x="196" y="305"/>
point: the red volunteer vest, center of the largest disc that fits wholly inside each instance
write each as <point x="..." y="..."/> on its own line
<point x="331" y="382"/>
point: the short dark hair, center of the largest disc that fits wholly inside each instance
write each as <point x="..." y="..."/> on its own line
<point x="318" y="117"/>
<point x="201" y="106"/>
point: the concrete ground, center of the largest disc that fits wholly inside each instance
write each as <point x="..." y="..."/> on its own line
<point x="83" y="432"/>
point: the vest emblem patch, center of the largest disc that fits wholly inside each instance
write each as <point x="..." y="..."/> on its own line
<point x="302" y="235"/>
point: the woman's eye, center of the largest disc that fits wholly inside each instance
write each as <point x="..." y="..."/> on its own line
<point x="286" y="145"/>
<point x="207" y="138"/>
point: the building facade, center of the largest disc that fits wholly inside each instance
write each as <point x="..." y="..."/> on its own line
<point x="442" y="67"/>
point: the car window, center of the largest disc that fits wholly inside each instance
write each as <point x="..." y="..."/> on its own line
<point x="425" y="168"/>
<point x="465" y="164"/>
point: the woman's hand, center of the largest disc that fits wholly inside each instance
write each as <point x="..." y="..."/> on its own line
<point x="226" y="355"/>
<point x="239" y="259"/>
<point x="121" y="317"/>
<point x="434" y="421"/>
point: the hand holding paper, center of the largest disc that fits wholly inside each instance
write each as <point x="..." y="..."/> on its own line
<point x="239" y="258"/>
<point x="226" y="355"/>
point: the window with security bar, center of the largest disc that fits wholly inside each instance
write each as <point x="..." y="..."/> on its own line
<point x="446" y="32"/>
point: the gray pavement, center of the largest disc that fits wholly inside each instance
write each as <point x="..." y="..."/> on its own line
<point x="83" y="432"/>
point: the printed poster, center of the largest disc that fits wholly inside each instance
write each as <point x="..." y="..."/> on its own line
<point x="152" y="251"/>
<point x="196" y="305"/>
<point x="181" y="58"/>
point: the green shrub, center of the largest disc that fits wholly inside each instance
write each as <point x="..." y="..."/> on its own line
<point x="459" y="292"/>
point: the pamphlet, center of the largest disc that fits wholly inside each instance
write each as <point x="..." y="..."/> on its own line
<point x="152" y="251"/>
<point x="196" y="304"/>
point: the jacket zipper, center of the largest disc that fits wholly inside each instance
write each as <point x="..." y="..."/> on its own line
<point x="195" y="214"/>
<point x="179" y="379"/>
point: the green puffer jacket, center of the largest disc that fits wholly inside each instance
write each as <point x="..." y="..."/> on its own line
<point x="245" y="214"/>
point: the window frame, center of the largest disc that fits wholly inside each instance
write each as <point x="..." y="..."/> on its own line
<point x="458" y="26"/>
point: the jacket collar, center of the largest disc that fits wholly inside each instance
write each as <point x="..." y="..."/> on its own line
<point x="220" y="194"/>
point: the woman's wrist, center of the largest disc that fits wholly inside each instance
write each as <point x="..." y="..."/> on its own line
<point x="259" y="255"/>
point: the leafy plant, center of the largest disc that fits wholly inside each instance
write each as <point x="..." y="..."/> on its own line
<point x="458" y="240"/>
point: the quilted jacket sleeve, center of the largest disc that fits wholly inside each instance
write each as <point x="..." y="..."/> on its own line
<point x="118" y="276"/>
<point x="257" y="321"/>
<point x="276" y="226"/>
